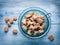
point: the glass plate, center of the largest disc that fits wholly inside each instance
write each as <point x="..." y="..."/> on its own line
<point x="40" y="12"/>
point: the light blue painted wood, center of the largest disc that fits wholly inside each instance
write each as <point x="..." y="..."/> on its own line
<point x="9" y="8"/>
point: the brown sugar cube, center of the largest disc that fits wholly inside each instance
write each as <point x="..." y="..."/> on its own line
<point x="40" y="21"/>
<point x="28" y="22"/>
<point x="29" y="32"/>
<point x="14" y="18"/>
<point x="40" y="27"/>
<point x="41" y="31"/>
<point x="6" y="28"/>
<point x="32" y="31"/>
<point x="7" y="19"/>
<point x="24" y="22"/>
<point x="24" y="27"/>
<point x="29" y="15"/>
<point x="33" y="23"/>
<point x="35" y="13"/>
<point x="37" y="24"/>
<point x="31" y="27"/>
<point x="9" y="23"/>
<point x="36" y="29"/>
<point x="43" y="25"/>
<point x="36" y="32"/>
<point x="27" y="19"/>
<point x="34" y="17"/>
<point x="15" y="31"/>
<point x="31" y="19"/>
<point x="42" y="17"/>
<point x="51" y="37"/>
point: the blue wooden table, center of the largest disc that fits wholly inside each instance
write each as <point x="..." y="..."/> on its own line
<point x="10" y="8"/>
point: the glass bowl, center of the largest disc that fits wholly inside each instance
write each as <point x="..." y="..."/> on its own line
<point x="40" y="11"/>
